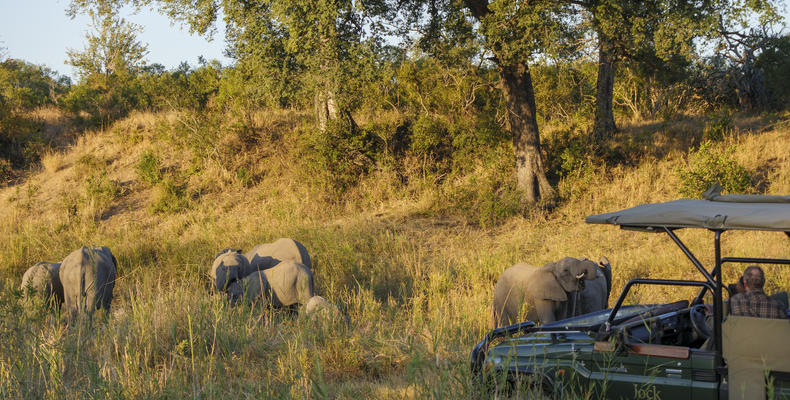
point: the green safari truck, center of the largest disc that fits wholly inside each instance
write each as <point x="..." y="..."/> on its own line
<point x="681" y="350"/>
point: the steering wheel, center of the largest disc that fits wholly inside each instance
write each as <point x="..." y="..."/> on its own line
<point x="698" y="314"/>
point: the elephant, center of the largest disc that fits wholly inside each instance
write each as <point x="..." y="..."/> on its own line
<point x="595" y="295"/>
<point x="88" y="277"/>
<point x="265" y="256"/>
<point x="545" y="288"/>
<point x="251" y="289"/>
<point x="319" y="310"/>
<point x="229" y="265"/>
<point x="291" y="283"/>
<point x="43" y="279"/>
<point x="319" y="306"/>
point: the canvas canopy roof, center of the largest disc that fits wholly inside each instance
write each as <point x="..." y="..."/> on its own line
<point x="716" y="211"/>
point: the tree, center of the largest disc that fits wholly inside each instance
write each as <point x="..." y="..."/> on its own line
<point x="113" y="48"/>
<point x="293" y="50"/>
<point x="516" y="34"/>
<point x="652" y="30"/>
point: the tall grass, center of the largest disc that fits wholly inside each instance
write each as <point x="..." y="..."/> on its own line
<point x="415" y="280"/>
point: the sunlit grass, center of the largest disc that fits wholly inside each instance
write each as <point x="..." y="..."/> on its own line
<point x="415" y="284"/>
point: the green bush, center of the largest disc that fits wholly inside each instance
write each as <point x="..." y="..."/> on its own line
<point x="102" y="188"/>
<point x="244" y="177"/>
<point x="719" y="125"/>
<point x="774" y="61"/>
<point x="149" y="168"/>
<point x="430" y="138"/>
<point x="709" y="165"/>
<point x="89" y="164"/>
<point x="170" y="197"/>
<point x="486" y="196"/>
<point x="6" y="172"/>
<point x="340" y="155"/>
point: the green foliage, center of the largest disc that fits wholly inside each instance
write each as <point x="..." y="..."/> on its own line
<point x="563" y="91"/>
<point x="149" y="168"/>
<point x="169" y="197"/>
<point x="487" y="196"/>
<point x="340" y="156"/>
<point x="183" y="88"/>
<point x="6" y="172"/>
<point x="719" y="125"/>
<point x="25" y="87"/>
<point x="101" y="99"/>
<point x="430" y="138"/>
<point x="244" y="177"/>
<point x="774" y="61"/>
<point x="709" y="165"/>
<point x="113" y="47"/>
<point x="100" y="187"/>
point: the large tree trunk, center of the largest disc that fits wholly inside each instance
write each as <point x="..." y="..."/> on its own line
<point x="325" y="108"/>
<point x="604" y="117"/>
<point x="521" y="113"/>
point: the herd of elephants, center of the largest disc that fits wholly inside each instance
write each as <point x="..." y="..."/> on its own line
<point x="279" y="275"/>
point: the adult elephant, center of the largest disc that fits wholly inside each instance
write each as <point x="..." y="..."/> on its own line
<point x="545" y="288"/>
<point x="229" y="266"/>
<point x="267" y="255"/>
<point x="595" y="295"/>
<point x="43" y="280"/>
<point x="88" y="278"/>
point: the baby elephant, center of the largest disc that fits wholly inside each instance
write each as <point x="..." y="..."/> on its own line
<point x="319" y="308"/>
<point x="544" y="289"/>
<point x="265" y="256"/>
<point x="43" y="280"/>
<point x="88" y="277"/>
<point x="229" y="266"/>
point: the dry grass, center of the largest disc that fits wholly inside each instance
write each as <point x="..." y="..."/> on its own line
<point x="415" y="286"/>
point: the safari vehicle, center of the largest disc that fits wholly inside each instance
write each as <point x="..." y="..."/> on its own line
<point x="681" y="350"/>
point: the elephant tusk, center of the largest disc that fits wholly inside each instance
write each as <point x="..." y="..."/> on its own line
<point x="581" y="275"/>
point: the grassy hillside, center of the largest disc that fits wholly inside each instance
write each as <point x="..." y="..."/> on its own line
<point x="414" y="275"/>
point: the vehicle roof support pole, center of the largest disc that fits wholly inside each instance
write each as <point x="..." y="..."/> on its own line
<point x="717" y="301"/>
<point x="690" y="255"/>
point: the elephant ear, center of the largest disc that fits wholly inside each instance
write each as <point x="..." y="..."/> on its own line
<point x="546" y="287"/>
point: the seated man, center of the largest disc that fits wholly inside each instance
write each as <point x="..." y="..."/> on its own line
<point x="753" y="302"/>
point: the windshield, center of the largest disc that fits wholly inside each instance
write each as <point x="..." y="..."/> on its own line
<point x="599" y="317"/>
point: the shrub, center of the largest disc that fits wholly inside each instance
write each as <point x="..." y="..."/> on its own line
<point x="149" y="168"/>
<point x="101" y="187"/>
<point x="709" y="165"/>
<point x="486" y="196"/>
<point x="5" y="170"/>
<point x="244" y="177"/>
<point x="340" y="155"/>
<point x="718" y="125"/>
<point x="170" y="197"/>
<point x="430" y="138"/>
<point x="88" y="164"/>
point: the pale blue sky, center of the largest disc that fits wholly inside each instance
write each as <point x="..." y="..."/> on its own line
<point x="38" y="31"/>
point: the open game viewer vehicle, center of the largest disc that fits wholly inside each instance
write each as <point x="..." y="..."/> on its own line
<point x="666" y="351"/>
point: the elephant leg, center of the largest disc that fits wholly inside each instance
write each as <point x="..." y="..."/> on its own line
<point x="545" y="311"/>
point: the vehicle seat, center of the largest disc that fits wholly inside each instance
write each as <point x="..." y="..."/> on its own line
<point x="752" y="346"/>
